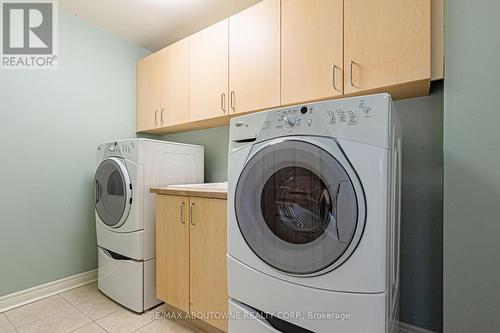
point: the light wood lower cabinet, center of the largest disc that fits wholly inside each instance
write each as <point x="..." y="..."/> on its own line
<point x="208" y="272"/>
<point x="172" y="248"/>
<point x="191" y="271"/>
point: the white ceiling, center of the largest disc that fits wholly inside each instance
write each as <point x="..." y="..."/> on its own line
<point x="153" y="24"/>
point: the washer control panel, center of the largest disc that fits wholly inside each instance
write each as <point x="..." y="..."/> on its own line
<point x="288" y="119"/>
<point x="296" y="117"/>
<point x="364" y="119"/>
<point x="119" y="149"/>
<point x="127" y="148"/>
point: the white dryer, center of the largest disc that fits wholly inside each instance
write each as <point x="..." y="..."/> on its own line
<point x="125" y="212"/>
<point x="313" y="218"/>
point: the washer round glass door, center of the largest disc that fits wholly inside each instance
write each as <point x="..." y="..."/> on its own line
<point x="112" y="193"/>
<point x="297" y="207"/>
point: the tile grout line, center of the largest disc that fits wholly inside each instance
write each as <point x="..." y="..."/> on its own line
<point x="105" y="330"/>
<point x="10" y="322"/>
<point x="73" y="306"/>
<point x="66" y="302"/>
<point x="40" y="300"/>
<point x="149" y="322"/>
<point x="91" y="321"/>
<point x="120" y="308"/>
<point x="86" y="316"/>
<point x="87" y="324"/>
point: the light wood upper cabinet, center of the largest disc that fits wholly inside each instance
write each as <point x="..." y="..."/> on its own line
<point x="254" y="57"/>
<point x="148" y="92"/>
<point x="386" y="43"/>
<point x="283" y="52"/>
<point x="311" y="50"/>
<point x="172" y="248"/>
<point x="437" y="39"/>
<point x="175" y="83"/>
<point x="208" y="271"/>
<point x="208" y="72"/>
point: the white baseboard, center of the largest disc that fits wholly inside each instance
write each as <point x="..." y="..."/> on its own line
<point x="407" y="328"/>
<point x="30" y="295"/>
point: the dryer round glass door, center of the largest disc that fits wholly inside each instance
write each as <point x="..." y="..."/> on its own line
<point x="297" y="207"/>
<point x="112" y="193"/>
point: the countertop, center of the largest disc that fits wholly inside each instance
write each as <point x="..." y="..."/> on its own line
<point x="207" y="190"/>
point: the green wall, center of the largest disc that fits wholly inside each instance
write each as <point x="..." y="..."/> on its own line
<point x="51" y="123"/>
<point x="472" y="167"/>
<point x="421" y="248"/>
<point x="422" y="210"/>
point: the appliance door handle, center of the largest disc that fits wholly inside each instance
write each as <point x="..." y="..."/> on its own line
<point x="161" y="116"/>
<point x="342" y="199"/>
<point x="156" y="117"/>
<point x="191" y="209"/>
<point x="258" y="317"/>
<point x="115" y="256"/>
<point x="97" y="191"/>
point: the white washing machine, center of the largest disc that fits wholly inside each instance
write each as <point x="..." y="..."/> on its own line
<point x="313" y="224"/>
<point x="125" y="212"/>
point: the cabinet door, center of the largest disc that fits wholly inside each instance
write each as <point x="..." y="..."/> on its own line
<point x="208" y="258"/>
<point x="148" y="92"/>
<point x="208" y="72"/>
<point x="175" y="83"/>
<point x="254" y="57"/>
<point x="172" y="250"/>
<point x="386" y="43"/>
<point x="311" y="50"/>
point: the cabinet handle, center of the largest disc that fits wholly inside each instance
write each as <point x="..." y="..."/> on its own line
<point x="156" y="117"/>
<point x="161" y="115"/>
<point x="334" y="70"/>
<point x="233" y="97"/>
<point x="182" y="213"/>
<point x="351" y="64"/>
<point x="223" y="102"/>
<point x="191" y="208"/>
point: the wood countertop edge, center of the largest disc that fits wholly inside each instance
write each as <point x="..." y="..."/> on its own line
<point x="186" y="192"/>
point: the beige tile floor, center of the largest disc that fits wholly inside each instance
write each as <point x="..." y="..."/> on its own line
<point x="86" y="310"/>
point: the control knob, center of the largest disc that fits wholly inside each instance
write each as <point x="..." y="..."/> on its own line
<point x="290" y="121"/>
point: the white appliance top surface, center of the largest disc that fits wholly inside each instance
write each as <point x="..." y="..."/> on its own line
<point x="151" y="141"/>
<point x="221" y="187"/>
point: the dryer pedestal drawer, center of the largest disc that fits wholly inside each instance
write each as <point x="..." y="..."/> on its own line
<point x="244" y="319"/>
<point x="128" y="244"/>
<point x="121" y="280"/>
